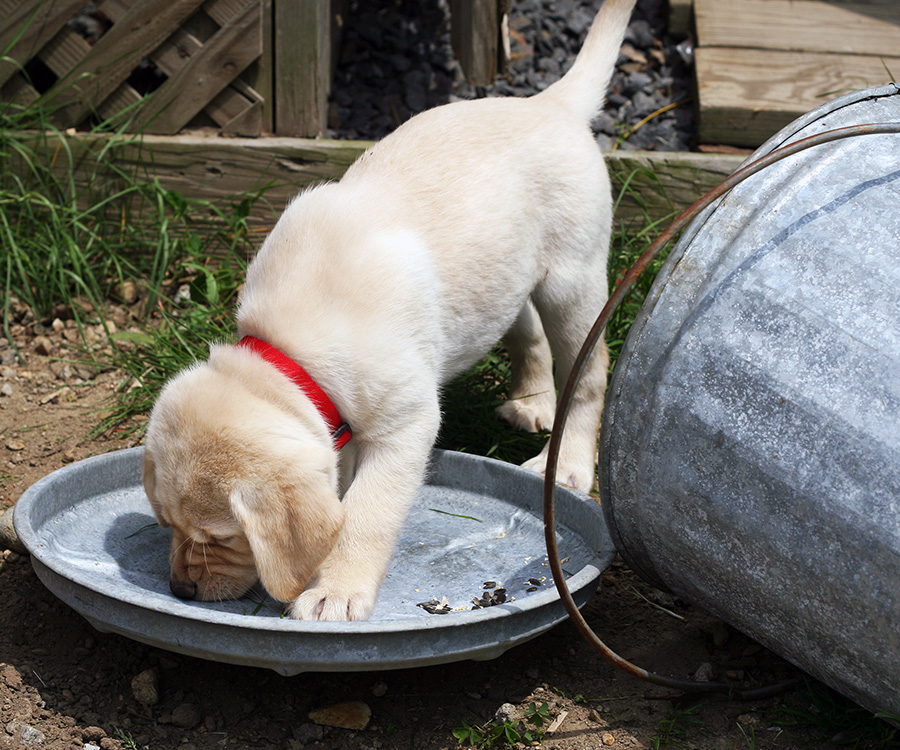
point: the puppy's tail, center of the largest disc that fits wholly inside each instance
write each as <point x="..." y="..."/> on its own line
<point x="583" y="88"/>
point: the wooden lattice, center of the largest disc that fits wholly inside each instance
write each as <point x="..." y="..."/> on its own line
<point x="206" y="56"/>
<point x="242" y="67"/>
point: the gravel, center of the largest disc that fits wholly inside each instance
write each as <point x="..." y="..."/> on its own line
<point x="396" y="61"/>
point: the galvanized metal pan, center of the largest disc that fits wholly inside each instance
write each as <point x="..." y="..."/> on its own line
<point x="95" y="544"/>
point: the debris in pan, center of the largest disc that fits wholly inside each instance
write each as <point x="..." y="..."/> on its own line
<point x="435" y="607"/>
<point x="489" y="598"/>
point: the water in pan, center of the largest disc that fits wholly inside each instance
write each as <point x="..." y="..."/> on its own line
<point x="454" y="542"/>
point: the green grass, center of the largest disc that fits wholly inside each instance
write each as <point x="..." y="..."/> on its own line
<point x="68" y="243"/>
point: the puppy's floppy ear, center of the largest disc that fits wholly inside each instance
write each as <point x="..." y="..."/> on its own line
<point x="291" y="529"/>
<point x="150" y="486"/>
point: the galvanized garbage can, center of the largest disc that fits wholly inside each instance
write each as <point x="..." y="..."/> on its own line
<point x="750" y="452"/>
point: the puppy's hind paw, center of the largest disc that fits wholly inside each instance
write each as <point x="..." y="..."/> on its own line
<point x="530" y="414"/>
<point x="579" y="478"/>
<point x="320" y="604"/>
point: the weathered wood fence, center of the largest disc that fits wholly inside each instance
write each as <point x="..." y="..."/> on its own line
<point x="240" y="67"/>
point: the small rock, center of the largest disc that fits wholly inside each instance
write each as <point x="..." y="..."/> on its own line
<point x="308" y="733"/>
<point x="125" y="292"/>
<point x="8" y="537"/>
<point x="506" y="713"/>
<point x="145" y="687"/>
<point x="182" y="296"/>
<point x="704" y="673"/>
<point x="379" y="689"/>
<point x="6" y="390"/>
<point x="607" y="739"/>
<point x="92" y="734"/>
<point x="750" y="720"/>
<point x="25" y="734"/>
<point x="63" y="394"/>
<point x="43" y="345"/>
<point x="186" y="716"/>
<point x="353" y="715"/>
<point x="15" y="445"/>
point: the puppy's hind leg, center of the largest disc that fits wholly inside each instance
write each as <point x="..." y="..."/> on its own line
<point x="532" y="396"/>
<point x="567" y="322"/>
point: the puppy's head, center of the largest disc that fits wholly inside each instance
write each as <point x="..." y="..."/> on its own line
<point x="248" y="490"/>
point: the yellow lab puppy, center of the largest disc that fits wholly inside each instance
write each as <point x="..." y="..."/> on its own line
<point x="293" y="457"/>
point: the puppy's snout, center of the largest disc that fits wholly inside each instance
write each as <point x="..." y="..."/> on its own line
<point x="183" y="589"/>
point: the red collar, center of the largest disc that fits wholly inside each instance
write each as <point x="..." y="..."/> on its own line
<point x="340" y="430"/>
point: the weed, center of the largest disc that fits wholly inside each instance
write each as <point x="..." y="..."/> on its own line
<point x="498" y="733"/>
<point x="128" y="742"/>
<point x="676" y="726"/>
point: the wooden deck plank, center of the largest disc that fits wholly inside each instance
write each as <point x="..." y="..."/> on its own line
<point x="839" y="27"/>
<point x="870" y="27"/>
<point x="747" y="95"/>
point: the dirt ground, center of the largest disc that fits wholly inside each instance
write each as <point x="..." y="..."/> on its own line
<point x="64" y="685"/>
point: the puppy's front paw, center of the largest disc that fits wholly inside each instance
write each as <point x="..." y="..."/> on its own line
<point x="322" y="603"/>
<point x="531" y="413"/>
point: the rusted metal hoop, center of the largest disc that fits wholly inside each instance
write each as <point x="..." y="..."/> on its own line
<point x="574" y="379"/>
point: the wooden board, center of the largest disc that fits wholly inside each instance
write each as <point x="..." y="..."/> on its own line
<point x="303" y="58"/>
<point x="660" y="185"/>
<point x="478" y="28"/>
<point x="855" y="27"/>
<point x="747" y="95"/>
<point x="760" y="64"/>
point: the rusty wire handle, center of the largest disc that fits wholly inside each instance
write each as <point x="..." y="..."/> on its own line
<point x="574" y="379"/>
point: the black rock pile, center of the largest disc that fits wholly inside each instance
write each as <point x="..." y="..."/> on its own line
<point x="396" y="60"/>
